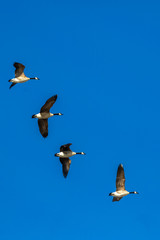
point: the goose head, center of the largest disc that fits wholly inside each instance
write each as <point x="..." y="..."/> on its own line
<point x="83" y="153"/>
<point x="59" y="114"/>
<point x="134" y="192"/>
<point x="35" y="78"/>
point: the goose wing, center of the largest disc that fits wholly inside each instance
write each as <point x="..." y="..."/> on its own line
<point x="120" y="180"/>
<point x="65" y="147"/>
<point x="19" y="69"/>
<point x="116" y="199"/>
<point x="49" y="103"/>
<point x="66" y="162"/>
<point x="43" y="127"/>
<point x="12" y="85"/>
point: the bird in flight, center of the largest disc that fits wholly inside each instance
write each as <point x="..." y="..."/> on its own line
<point x="44" y="115"/>
<point x="120" y="185"/>
<point x="20" y="77"/>
<point x="64" y="155"/>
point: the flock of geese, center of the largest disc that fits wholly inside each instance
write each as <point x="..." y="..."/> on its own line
<point x="65" y="151"/>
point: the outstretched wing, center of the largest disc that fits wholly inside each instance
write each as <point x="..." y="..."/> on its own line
<point x="13" y="84"/>
<point x="65" y="147"/>
<point x="19" y="69"/>
<point x="120" y="180"/>
<point x="66" y="162"/>
<point x="116" y="199"/>
<point x="43" y="127"/>
<point x="49" y="103"/>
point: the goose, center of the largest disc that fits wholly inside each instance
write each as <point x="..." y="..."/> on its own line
<point x="64" y="154"/>
<point x="20" y="77"/>
<point x="44" y="115"/>
<point x="120" y="186"/>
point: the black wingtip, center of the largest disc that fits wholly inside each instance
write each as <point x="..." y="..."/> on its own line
<point x="55" y="96"/>
<point x="15" y="64"/>
<point x="120" y="165"/>
<point x="13" y="84"/>
<point x="65" y="174"/>
<point x="45" y="135"/>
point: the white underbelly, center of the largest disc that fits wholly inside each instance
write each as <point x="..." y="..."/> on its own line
<point x="120" y="194"/>
<point x="43" y="115"/>
<point x="19" y="80"/>
<point x="67" y="154"/>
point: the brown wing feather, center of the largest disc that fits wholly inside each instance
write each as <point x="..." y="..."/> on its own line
<point x="12" y="85"/>
<point x="116" y="199"/>
<point x="49" y="103"/>
<point x="43" y="127"/>
<point x="66" y="162"/>
<point x="19" y="69"/>
<point x="65" y="147"/>
<point x="120" y="179"/>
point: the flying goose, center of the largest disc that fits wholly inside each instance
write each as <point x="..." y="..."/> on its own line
<point x="20" y="77"/>
<point x="64" y="154"/>
<point x="44" y="115"/>
<point x="120" y="185"/>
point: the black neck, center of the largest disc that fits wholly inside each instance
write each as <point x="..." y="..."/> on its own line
<point x="32" y="78"/>
<point x="131" y="192"/>
<point x="78" y="153"/>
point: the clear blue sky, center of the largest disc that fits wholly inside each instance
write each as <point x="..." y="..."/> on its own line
<point x="102" y="58"/>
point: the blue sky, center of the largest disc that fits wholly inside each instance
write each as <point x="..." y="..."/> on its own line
<point x="102" y="58"/>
